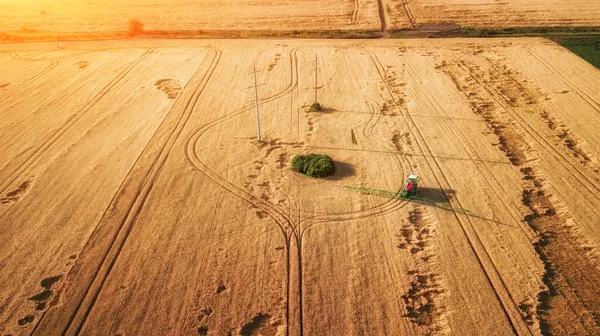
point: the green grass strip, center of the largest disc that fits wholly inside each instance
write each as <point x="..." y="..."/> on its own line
<point x="586" y="47"/>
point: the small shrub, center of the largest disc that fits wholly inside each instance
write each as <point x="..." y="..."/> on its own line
<point x="315" y="107"/>
<point x="313" y="165"/>
<point x="135" y="28"/>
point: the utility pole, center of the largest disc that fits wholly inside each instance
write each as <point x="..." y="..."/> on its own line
<point x="316" y="71"/>
<point x="256" y="101"/>
<point x="316" y="107"/>
<point x="51" y="22"/>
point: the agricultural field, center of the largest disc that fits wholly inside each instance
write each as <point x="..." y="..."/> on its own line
<point x="87" y="19"/>
<point x="95" y="17"/>
<point x="135" y="199"/>
<point x="487" y="13"/>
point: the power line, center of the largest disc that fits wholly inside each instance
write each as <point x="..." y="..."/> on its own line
<point x="47" y="11"/>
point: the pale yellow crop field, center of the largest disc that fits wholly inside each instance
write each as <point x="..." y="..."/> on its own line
<point x="87" y="16"/>
<point x="136" y="200"/>
<point x="489" y="14"/>
<point x="94" y="19"/>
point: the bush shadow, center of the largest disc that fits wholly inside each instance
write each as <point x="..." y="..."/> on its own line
<point x="327" y="110"/>
<point x="342" y="170"/>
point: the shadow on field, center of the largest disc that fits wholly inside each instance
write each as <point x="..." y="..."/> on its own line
<point x="342" y="170"/>
<point x="436" y="195"/>
<point x="327" y="110"/>
<point x="445" y="196"/>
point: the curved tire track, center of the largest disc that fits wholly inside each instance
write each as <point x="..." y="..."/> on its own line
<point x="282" y="220"/>
<point x="290" y="230"/>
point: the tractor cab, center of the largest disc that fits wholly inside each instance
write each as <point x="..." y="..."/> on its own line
<point x="410" y="186"/>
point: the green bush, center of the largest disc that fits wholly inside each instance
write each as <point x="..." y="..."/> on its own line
<point x="315" y="107"/>
<point x="313" y="165"/>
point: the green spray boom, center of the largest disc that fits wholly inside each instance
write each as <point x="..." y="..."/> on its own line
<point x="407" y="195"/>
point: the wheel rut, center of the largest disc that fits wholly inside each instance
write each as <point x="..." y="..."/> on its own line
<point x="568" y="295"/>
<point x="291" y="228"/>
<point x="53" y="138"/>
<point x="504" y="297"/>
<point x="87" y="277"/>
<point x="19" y="89"/>
<point x="381" y="10"/>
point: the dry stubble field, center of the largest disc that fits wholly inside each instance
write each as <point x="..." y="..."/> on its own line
<point x="135" y="200"/>
<point x="30" y="17"/>
<point x="113" y="15"/>
<point x="488" y="13"/>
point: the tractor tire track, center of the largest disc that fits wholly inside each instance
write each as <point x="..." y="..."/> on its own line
<point x="282" y="220"/>
<point x="23" y="86"/>
<point x="354" y="17"/>
<point x="561" y="158"/>
<point x="383" y="75"/>
<point x="477" y="247"/>
<point x="381" y="11"/>
<point x="140" y="200"/>
<point x="569" y="289"/>
<point x="495" y="184"/>
<point x="127" y="210"/>
<point x="194" y="139"/>
<point x="393" y="204"/>
<point x="409" y="14"/>
<point x="465" y="142"/>
<point x="389" y="206"/>
<point x="291" y="231"/>
<point x="46" y="144"/>
<point x="581" y="93"/>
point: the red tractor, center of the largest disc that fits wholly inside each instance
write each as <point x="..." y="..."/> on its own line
<point x="409" y="188"/>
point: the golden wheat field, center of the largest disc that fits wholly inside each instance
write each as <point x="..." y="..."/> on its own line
<point x="111" y="15"/>
<point x="85" y="18"/>
<point x="486" y="13"/>
<point x="135" y="198"/>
